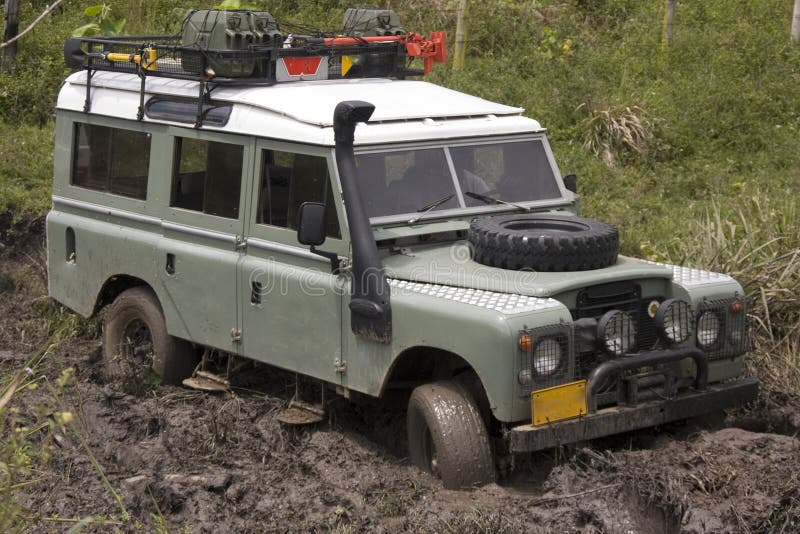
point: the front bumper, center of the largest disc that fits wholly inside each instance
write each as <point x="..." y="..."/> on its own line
<point x="618" y="419"/>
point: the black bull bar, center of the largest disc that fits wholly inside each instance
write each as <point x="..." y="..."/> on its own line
<point x="700" y="399"/>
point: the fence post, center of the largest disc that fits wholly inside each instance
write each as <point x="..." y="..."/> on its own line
<point x="666" y="39"/>
<point x="461" y="36"/>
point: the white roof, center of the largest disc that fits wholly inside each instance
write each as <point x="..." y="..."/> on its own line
<point x="303" y="111"/>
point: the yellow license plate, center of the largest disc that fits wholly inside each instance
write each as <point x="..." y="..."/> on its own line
<point x="566" y="401"/>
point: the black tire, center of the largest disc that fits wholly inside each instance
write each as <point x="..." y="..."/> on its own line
<point x="447" y="437"/>
<point x="543" y="242"/>
<point x="128" y="354"/>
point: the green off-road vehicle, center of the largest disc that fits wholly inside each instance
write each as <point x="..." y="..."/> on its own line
<point x="237" y="194"/>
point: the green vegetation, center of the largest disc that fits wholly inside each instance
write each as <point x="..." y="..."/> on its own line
<point x="26" y="169"/>
<point x="103" y="22"/>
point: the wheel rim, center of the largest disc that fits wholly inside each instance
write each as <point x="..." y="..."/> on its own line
<point x="137" y="343"/>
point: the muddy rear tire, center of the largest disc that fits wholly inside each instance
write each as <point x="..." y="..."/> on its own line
<point x="135" y="341"/>
<point x="447" y="436"/>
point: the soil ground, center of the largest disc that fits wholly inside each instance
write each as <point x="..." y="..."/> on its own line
<point x="223" y="463"/>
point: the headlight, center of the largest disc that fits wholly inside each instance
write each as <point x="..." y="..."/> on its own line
<point x="547" y="356"/>
<point x="708" y="327"/>
<point x="617" y="331"/>
<point x="674" y="320"/>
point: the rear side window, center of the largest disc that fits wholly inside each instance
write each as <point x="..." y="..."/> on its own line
<point x="111" y="160"/>
<point x="207" y="177"/>
<point x="288" y="180"/>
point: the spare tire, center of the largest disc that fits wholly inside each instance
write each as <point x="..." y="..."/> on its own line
<point x="543" y="242"/>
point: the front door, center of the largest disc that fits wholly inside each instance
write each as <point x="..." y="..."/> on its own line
<point x="291" y="303"/>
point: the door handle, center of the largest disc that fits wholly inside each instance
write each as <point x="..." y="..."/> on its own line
<point x="255" y="292"/>
<point x="170" y="266"/>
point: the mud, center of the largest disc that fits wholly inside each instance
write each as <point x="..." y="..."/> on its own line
<point x="223" y="463"/>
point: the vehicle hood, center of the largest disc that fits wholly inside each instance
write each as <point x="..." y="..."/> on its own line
<point x="451" y="265"/>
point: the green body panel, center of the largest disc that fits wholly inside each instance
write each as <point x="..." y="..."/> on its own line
<point x="484" y="338"/>
<point x="98" y="257"/>
<point x="297" y="324"/>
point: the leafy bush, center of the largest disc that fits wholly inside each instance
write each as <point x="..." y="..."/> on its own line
<point x="103" y="22"/>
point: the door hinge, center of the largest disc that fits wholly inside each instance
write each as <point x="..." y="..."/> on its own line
<point x="241" y="243"/>
<point x="340" y="366"/>
<point x="236" y="335"/>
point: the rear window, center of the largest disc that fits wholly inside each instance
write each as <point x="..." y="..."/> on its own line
<point x="208" y="177"/>
<point x="111" y="160"/>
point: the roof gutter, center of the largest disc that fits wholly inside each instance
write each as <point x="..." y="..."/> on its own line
<point x="370" y="306"/>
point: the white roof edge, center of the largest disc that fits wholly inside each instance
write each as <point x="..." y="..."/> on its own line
<point x="396" y="100"/>
<point x="262" y="111"/>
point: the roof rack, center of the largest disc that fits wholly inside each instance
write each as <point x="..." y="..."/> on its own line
<point x="246" y="48"/>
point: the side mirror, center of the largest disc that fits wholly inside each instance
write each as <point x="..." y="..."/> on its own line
<point x="571" y="183"/>
<point x="311" y="224"/>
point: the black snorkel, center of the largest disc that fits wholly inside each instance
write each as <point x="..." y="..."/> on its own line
<point x="370" y="307"/>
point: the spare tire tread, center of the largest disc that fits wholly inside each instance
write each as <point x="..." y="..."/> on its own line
<point x="588" y="245"/>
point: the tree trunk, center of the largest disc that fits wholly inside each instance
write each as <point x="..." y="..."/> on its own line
<point x="10" y="30"/>
<point x="666" y="40"/>
<point x="796" y="23"/>
<point x="461" y="36"/>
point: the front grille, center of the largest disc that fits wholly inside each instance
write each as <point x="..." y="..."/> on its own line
<point x="593" y="302"/>
<point x="555" y="364"/>
<point x="732" y="339"/>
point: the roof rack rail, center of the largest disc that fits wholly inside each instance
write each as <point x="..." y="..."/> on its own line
<point x="246" y="48"/>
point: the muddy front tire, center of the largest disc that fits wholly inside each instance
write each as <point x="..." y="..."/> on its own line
<point x="447" y="436"/>
<point x="135" y="341"/>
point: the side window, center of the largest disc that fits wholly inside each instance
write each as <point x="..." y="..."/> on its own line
<point x="207" y="177"/>
<point x="288" y="180"/>
<point x="111" y="160"/>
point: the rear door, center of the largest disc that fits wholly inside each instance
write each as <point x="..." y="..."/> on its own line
<point x="202" y="232"/>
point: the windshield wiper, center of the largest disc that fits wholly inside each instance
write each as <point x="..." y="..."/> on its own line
<point x="428" y="207"/>
<point x="493" y="200"/>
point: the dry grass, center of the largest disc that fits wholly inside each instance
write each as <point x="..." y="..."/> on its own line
<point x="758" y="244"/>
<point x="618" y="133"/>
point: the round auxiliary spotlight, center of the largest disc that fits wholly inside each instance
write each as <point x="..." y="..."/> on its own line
<point x="674" y="320"/>
<point x="617" y="331"/>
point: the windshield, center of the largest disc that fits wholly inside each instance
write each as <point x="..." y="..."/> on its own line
<point x="395" y="182"/>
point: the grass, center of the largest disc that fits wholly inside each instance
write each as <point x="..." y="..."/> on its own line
<point x="757" y="243"/>
<point x="26" y="169"/>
